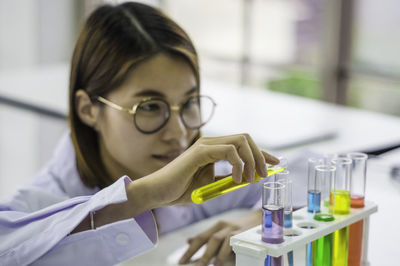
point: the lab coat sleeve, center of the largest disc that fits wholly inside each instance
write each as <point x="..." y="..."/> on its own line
<point x="257" y="205"/>
<point x="41" y="237"/>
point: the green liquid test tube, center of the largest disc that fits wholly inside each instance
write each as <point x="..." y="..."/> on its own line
<point x="322" y="247"/>
<point x="226" y="185"/>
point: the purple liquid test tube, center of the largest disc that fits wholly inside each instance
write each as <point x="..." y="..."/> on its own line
<point x="273" y="200"/>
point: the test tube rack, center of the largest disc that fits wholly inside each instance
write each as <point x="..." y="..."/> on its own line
<point x="251" y="250"/>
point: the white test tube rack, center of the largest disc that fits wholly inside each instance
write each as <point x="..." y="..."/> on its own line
<point x="251" y="250"/>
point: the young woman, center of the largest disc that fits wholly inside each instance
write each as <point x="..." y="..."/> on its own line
<point x="124" y="172"/>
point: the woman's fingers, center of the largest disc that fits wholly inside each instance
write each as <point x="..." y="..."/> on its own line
<point x="258" y="156"/>
<point x="206" y="154"/>
<point x="237" y="149"/>
<point x="243" y="148"/>
<point x="213" y="246"/>
<point x="194" y="245"/>
<point x="198" y="241"/>
<point x="203" y="177"/>
<point x="270" y="158"/>
<point x="225" y="250"/>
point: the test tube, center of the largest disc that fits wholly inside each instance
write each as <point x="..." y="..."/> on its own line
<point x="341" y="197"/>
<point x="283" y="164"/>
<point x="328" y="157"/>
<point x="226" y="185"/>
<point x="358" y="180"/>
<point x="341" y="194"/>
<point x="321" y="252"/>
<point x="284" y="178"/>
<point x="357" y="196"/>
<point x="325" y="181"/>
<point x="273" y="201"/>
<point x="313" y="189"/>
<point x="313" y="198"/>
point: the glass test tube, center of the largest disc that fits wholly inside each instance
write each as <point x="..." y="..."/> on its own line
<point x="358" y="180"/>
<point x="313" y="198"/>
<point x="313" y="191"/>
<point x="328" y="157"/>
<point x="341" y="198"/>
<point x="226" y="185"/>
<point x="341" y="194"/>
<point x="283" y="163"/>
<point x="357" y="196"/>
<point x="284" y="178"/>
<point x="273" y="200"/>
<point x="325" y="181"/>
<point x="321" y="251"/>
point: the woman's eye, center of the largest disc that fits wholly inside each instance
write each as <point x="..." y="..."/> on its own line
<point x="150" y="107"/>
<point x="192" y="104"/>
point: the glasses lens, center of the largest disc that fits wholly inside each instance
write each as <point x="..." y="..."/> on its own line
<point x="197" y="111"/>
<point x="151" y="115"/>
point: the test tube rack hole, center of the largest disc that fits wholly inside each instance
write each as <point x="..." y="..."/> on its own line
<point x="250" y="245"/>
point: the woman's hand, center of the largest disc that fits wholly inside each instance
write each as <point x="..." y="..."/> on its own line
<point x="217" y="239"/>
<point x="194" y="168"/>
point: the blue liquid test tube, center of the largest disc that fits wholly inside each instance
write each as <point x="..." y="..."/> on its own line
<point x="313" y="189"/>
<point x="313" y="198"/>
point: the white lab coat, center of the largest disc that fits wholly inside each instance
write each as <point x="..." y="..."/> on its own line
<point x="36" y="220"/>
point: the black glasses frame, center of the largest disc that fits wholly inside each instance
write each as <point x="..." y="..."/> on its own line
<point x="133" y="110"/>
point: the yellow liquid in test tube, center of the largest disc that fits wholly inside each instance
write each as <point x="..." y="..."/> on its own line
<point x="340" y="247"/>
<point x="225" y="185"/>
<point x="341" y="200"/>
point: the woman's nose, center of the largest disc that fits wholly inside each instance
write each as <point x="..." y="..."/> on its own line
<point x="175" y="128"/>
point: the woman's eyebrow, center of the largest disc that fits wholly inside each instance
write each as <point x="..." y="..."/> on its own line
<point x="192" y="90"/>
<point x="149" y="92"/>
<point x="156" y="93"/>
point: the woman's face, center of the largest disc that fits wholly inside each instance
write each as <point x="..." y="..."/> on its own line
<point x="124" y="149"/>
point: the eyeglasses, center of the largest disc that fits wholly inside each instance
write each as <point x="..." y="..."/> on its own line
<point x="151" y="114"/>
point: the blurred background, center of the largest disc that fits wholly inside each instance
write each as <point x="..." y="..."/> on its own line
<point x="343" y="52"/>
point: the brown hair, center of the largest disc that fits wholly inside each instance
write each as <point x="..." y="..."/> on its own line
<point x="112" y="42"/>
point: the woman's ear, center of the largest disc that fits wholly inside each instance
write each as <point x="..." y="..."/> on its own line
<point x="86" y="110"/>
